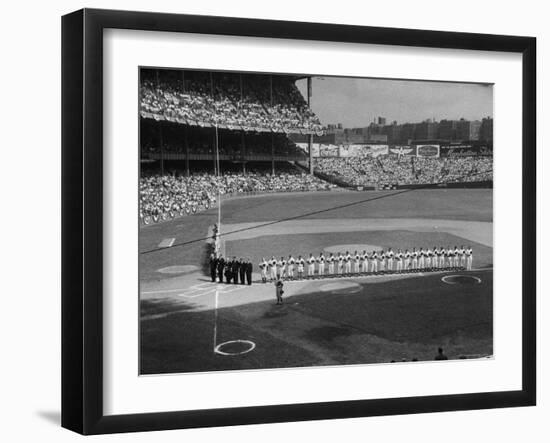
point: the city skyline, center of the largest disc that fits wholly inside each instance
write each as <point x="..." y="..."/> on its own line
<point x="357" y="102"/>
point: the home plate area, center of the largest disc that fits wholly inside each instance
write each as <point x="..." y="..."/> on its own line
<point x="326" y="321"/>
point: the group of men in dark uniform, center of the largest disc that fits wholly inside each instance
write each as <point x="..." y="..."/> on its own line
<point x="233" y="270"/>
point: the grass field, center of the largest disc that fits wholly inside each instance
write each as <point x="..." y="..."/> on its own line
<point x="185" y="318"/>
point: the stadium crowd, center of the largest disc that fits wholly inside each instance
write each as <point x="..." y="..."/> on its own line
<point x="382" y="170"/>
<point x="163" y="196"/>
<point x="250" y="102"/>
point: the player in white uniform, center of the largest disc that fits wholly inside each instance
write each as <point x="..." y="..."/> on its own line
<point x="281" y="268"/>
<point x="290" y="266"/>
<point x="429" y="255"/>
<point x="456" y="257"/>
<point x="347" y="263"/>
<point x="330" y="261"/>
<point x="421" y="259"/>
<point x="364" y="262"/>
<point x="382" y="261"/>
<point x="399" y="259"/>
<point x="356" y="262"/>
<point x="311" y="265"/>
<point x="273" y="268"/>
<point x="340" y="259"/>
<point x="300" y="262"/>
<point x="462" y="256"/>
<point x="321" y="260"/>
<point x="374" y="262"/>
<point x="414" y="255"/>
<point x="469" y="258"/>
<point x="449" y="254"/>
<point x="389" y="256"/>
<point x="441" y="257"/>
<point x="407" y="262"/>
<point x="263" y="269"/>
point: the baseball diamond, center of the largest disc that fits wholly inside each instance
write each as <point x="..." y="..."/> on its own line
<point x="349" y="320"/>
<point x="271" y="236"/>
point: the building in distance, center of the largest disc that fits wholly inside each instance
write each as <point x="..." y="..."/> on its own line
<point x="378" y="131"/>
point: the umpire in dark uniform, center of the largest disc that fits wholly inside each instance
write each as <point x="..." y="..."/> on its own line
<point x="221" y="268"/>
<point x="248" y="266"/>
<point x="228" y="271"/>
<point x="235" y="270"/>
<point x="213" y="267"/>
<point x="242" y="270"/>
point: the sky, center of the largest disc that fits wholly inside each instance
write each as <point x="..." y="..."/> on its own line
<point x="355" y="102"/>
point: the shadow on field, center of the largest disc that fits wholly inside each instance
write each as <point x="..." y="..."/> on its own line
<point x="393" y="320"/>
<point x="327" y="333"/>
<point x="420" y="309"/>
<point x="158" y="307"/>
<point x="184" y="342"/>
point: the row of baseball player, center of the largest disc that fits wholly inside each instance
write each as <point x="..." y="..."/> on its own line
<point x="376" y="261"/>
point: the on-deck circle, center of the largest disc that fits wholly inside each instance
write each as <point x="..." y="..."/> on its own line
<point x="460" y="279"/>
<point x="236" y="347"/>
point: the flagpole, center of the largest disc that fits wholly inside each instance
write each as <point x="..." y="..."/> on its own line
<point x="218" y="177"/>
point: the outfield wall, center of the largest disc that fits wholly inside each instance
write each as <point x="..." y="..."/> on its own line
<point x="476" y="184"/>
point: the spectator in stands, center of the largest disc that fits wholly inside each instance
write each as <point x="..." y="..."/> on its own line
<point x="384" y="170"/>
<point x="206" y="101"/>
<point x="169" y="195"/>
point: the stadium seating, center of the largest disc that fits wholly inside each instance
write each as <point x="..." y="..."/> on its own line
<point x="167" y="196"/>
<point x="387" y="170"/>
<point x="257" y="103"/>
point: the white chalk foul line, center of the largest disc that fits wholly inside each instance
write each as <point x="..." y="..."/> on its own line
<point x="191" y="288"/>
<point x="215" y="322"/>
<point x="197" y="290"/>
<point x="194" y="287"/>
<point x="209" y="291"/>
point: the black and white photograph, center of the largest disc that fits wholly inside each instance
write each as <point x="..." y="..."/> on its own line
<point x="234" y="222"/>
<point x="302" y="220"/>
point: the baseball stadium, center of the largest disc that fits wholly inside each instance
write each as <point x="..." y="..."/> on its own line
<point x="235" y="173"/>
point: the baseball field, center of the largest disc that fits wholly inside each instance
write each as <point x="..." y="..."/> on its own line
<point x="189" y="324"/>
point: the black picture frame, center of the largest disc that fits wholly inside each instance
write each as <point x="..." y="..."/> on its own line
<point x="82" y="218"/>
